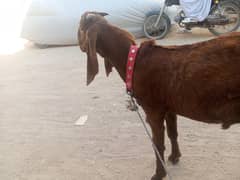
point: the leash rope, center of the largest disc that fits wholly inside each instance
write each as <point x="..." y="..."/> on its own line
<point x="132" y="103"/>
<point x="134" y="107"/>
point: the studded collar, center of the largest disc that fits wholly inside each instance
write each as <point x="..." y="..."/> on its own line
<point x="130" y="68"/>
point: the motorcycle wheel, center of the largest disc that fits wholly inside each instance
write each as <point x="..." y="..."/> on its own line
<point x="162" y="28"/>
<point x="229" y="10"/>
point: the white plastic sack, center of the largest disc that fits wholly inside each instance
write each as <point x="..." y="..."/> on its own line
<point x="56" y="21"/>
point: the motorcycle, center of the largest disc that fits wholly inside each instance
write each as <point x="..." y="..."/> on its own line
<point x="224" y="17"/>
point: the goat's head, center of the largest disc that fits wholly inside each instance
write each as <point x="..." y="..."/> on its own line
<point x="87" y="36"/>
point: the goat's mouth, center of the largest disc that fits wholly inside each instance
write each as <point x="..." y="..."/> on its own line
<point x="83" y="47"/>
<point x="82" y="41"/>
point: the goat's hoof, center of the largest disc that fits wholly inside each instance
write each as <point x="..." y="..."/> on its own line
<point x="174" y="159"/>
<point x="156" y="177"/>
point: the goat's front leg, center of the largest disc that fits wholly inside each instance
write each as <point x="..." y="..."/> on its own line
<point x="156" y="121"/>
<point x="171" y="121"/>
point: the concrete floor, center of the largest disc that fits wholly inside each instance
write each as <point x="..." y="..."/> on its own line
<point x="43" y="93"/>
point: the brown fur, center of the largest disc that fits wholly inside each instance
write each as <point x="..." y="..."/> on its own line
<point x="199" y="81"/>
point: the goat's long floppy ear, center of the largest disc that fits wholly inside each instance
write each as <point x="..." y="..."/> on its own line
<point x="108" y="66"/>
<point x="92" y="62"/>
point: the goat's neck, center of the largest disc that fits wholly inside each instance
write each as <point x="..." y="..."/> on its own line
<point x="115" y="47"/>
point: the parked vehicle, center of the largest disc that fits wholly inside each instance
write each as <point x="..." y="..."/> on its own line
<point x="224" y="17"/>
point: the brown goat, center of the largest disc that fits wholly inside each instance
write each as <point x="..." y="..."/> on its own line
<point x="199" y="81"/>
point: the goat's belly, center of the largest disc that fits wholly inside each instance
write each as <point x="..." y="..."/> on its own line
<point x="201" y="117"/>
<point x="227" y="113"/>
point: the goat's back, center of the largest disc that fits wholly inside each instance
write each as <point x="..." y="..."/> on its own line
<point x="190" y="78"/>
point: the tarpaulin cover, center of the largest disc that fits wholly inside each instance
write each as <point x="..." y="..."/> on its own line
<point x="57" y="21"/>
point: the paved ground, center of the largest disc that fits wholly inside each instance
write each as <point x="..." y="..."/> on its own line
<point x="43" y="94"/>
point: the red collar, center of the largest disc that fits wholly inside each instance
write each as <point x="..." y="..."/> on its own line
<point x="130" y="68"/>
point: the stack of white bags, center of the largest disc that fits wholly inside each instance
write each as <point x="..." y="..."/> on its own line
<point x="56" y="22"/>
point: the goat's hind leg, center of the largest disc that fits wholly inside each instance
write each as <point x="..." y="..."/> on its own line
<point x="171" y="122"/>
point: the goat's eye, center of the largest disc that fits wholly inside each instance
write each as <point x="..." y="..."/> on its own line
<point x="80" y="30"/>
